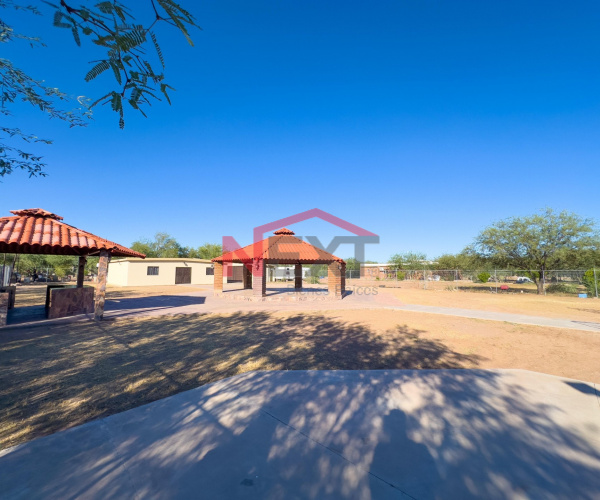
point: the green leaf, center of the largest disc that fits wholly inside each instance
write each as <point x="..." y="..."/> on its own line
<point x="101" y="67"/>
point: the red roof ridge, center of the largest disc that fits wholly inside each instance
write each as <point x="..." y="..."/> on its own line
<point x="284" y="230"/>
<point x="36" y="212"/>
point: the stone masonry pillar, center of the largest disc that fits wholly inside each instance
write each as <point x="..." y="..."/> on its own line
<point x="247" y="276"/>
<point x="3" y="308"/>
<point x="334" y="280"/>
<point x="298" y="276"/>
<point x="218" y="278"/>
<point x="101" y="285"/>
<point x="259" y="278"/>
<point x="343" y="271"/>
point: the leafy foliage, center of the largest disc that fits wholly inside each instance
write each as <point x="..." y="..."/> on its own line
<point x="165" y="246"/>
<point x="409" y="260"/>
<point x="110" y="26"/>
<point x="483" y="277"/>
<point x="542" y="241"/>
<point x="592" y="284"/>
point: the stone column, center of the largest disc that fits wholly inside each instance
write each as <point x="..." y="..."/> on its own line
<point x="81" y="270"/>
<point x="3" y="308"/>
<point x="298" y="276"/>
<point x="259" y="278"/>
<point x="247" y="276"/>
<point x="334" y="280"/>
<point x="218" y="277"/>
<point x="101" y="286"/>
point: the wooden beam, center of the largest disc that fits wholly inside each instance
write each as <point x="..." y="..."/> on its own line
<point x="81" y="270"/>
<point x="101" y="285"/>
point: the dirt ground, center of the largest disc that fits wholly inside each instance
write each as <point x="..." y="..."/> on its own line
<point x="55" y="377"/>
<point x="552" y="306"/>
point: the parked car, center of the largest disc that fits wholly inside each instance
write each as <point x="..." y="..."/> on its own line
<point x="523" y="279"/>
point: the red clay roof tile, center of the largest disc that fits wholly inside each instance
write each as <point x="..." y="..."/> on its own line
<point x="37" y="231"/>
<point x="282" y="248"/>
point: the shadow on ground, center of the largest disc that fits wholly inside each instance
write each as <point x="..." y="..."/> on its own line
<point x="59" y="376"/>
<point x="428" y="434"/>
<point x="153" y="302"/>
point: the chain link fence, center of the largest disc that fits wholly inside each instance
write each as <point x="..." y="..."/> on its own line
<point x="577" y="282"/>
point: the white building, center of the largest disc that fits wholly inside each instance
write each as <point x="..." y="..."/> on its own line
<point x="148" y="272"/>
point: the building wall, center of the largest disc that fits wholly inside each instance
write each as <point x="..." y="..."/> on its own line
<point x="117" y="272"/>
<point x="134" y="272"/>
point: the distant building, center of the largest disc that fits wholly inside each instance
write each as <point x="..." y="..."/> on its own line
<point x="373" y="271"/>
<point x="148" y="272"/>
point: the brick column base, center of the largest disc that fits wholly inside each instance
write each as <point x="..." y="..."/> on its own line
<point x="259" y="278"/>
<point x="218" y="277"/>
<point x="334" y="280"/>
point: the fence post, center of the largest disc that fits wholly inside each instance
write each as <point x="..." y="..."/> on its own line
<point x="424" y="280"/>
<point x="496" y="280"/>
<point x="595" y="283"/>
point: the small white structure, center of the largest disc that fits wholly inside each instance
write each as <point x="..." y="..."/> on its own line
<point x="148" y="272"/>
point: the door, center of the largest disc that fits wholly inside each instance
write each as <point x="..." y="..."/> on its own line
<point x="183" y="275"/>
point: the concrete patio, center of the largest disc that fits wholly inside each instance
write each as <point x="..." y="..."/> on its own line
<point x="322" y="434"/>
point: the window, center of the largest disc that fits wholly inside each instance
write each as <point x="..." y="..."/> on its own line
<point x="210" y="271"/>
<point x="152" y="271"/>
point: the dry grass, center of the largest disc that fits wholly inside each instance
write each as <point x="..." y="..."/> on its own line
<point x="551" y="306"/>
<point x="60" y="376"/>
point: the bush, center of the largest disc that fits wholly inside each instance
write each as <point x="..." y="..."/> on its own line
<point x="400" y="276"/>
<point x="313" y="280"/>
<point x="484" y="277"/>
<point x="561" y="288"/>
<point x="588" y="281"/>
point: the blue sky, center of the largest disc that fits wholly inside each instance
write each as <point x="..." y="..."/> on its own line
<point x="420" y="121"/>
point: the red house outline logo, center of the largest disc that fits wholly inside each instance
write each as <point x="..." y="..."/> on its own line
<point x="362" y="236"/>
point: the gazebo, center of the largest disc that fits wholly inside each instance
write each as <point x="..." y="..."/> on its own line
<point x="37" y="231"/>
<point x="282" y="248"/>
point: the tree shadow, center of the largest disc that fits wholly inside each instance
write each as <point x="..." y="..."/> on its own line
<point x="153" y="302"/>
<point x="58" y="376"/>
<point x="326" y="434"/>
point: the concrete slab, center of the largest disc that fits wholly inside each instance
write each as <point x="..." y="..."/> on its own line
<point x="322" y="434"/>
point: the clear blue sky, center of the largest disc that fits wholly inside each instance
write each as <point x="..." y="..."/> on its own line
<point x="422" y="121"/>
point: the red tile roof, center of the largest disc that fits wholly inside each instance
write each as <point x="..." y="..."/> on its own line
<point x="281" y="248"/>
<point x="37" y="231"/>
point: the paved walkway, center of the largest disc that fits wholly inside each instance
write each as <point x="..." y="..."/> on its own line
<point x="452" y="434"/>
<point x="205" y="302"/>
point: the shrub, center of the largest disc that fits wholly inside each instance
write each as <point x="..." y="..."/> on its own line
<point x="313" y="280"/>
<point x="588" y="281"/>
<point x="561" y="288"/>
<point x="484" y="277"/>
<point x="400" y="276"/>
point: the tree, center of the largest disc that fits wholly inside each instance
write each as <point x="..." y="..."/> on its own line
<point x="537" y="242"/>
<point x="124" y="41"/>
<point x="163" y="245"/>
<point x="206" y="251"/>
<point x="352" y="264"/>
<point x="408" y="260"/>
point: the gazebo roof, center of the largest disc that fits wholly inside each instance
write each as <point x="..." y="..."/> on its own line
<point x="37" y="231"/>
<point x="282" y="248"/>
